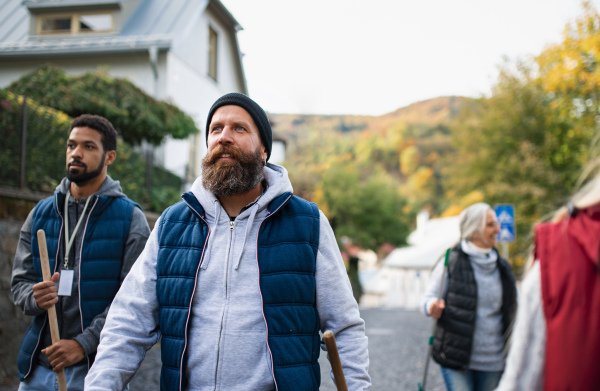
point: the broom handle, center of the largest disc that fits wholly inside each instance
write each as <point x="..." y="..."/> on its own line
<point x="334" y="359"/>
<point x="62" y="380"/>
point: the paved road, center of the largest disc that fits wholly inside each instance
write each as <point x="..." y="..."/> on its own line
<point x="397" y="349"/>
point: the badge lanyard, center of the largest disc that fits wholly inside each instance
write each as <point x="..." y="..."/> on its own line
<point x="69" y="242"/>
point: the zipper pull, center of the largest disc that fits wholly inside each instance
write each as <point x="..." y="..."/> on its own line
<point x="231" y="225"/>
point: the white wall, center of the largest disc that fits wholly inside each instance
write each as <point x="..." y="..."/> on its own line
<point x="277" y="152"/>
<point x="227" y="76"/>
<point x="194" y="94"/>
<point x="406" y="287"/>
<point x="190" y="87"/>
<point x="133" y="66"/>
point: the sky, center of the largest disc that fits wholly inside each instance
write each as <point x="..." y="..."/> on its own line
<point x="371" y="57"/>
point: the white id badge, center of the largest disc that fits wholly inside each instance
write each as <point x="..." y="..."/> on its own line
<point x="65" y="283"/>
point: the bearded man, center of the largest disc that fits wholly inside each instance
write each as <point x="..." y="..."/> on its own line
<point x="238" y="279"/>
<point x="94" y="235"/>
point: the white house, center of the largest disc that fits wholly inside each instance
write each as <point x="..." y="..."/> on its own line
<point x="182" y="51"/>
<point x="404" y="275"/>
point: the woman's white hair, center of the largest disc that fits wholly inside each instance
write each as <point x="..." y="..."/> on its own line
<point x="473" y="220"/>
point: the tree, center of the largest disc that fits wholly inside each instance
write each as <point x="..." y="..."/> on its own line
<point x="135" y="115"/>
<point x="47" y="132"/>
<point x="45" y="146"/>
<point x="527" y="143"/>
<point x="368" y="210"/>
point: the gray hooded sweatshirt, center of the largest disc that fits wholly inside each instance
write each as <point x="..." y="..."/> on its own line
<point x="67" y="308"/>
<point x="227" y="345"/>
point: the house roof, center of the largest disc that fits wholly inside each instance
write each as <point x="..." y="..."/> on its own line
<point x="37" y="5"/>
<point x="85" y="45"/>
<point x="426" y="244"/>
<point x="152" y="23"/>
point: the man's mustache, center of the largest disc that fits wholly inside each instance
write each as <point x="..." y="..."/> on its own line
<point x="216" y="153"/>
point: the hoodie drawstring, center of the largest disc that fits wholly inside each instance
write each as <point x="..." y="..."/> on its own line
<point x="254" y="209"/>
<point x="213" y="234"/>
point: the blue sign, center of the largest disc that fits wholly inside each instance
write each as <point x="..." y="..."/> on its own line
<point x="506" y="217"/>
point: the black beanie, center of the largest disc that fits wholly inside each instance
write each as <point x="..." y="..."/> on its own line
<point x="256" y="112"/>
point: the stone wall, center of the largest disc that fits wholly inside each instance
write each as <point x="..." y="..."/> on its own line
<point x="13" y="323"/>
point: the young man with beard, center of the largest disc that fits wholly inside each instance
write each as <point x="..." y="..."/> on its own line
<point x="94" y="235"/>
<point x="238" y="279"/>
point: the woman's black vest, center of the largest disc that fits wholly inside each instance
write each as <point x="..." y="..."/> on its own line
<point x="453" y="337"/>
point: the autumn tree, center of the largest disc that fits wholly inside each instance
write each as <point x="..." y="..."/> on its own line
<point x="367" y="209"/>
<point x="527" y="143"/>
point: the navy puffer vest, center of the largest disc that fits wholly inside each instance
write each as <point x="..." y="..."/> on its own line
<point x="105" y="237"/>
<point x="287" y="246"/>
<point x="453" y="337"/>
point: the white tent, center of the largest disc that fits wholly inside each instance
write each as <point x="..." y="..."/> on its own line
<point x="406" y="270"/>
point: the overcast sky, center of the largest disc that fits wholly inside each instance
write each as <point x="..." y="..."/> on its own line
<point x="375" y="56"/>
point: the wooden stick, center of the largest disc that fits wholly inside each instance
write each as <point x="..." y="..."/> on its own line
<point x="62" y="380"/>
<point x="334" y="359"/>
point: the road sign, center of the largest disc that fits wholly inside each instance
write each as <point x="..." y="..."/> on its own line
<point x="506" y="217"/>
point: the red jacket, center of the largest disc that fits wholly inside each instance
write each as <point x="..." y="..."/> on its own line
<point x="568" y="253"/>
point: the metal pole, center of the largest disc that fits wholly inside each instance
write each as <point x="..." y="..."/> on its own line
<point x="148" y="168"/>
<point x="23" y="145"/>
<point x="505" y="250"/>
<point x="422" y="386"/>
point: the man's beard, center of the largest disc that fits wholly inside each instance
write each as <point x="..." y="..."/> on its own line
<point x="228" y="179"/>
<point x="83" y="176"/>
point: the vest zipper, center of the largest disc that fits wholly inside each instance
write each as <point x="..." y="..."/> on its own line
<point x="193" y="293"/>
<point x="87" y="221"/>
<point x="231" y="225"/>
<point x="269" y="214"/>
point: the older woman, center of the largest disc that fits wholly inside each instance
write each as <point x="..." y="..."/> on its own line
<point x="478" y="306"/>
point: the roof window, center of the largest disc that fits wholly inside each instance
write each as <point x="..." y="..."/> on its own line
<point x="75" y="23"/>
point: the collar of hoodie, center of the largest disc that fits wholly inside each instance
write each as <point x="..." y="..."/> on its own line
<point x="213" y="232"/>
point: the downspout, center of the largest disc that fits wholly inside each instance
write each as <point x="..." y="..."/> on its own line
<point x="153" y="53"/>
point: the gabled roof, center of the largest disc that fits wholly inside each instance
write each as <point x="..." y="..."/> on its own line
<point x="85" y="45"/>
<point x="14" y="21"/>
<point x="49" y="5"/>
<point x="152" y="23"/>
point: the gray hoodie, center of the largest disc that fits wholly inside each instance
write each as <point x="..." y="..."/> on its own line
<point x="227" y="347"/>
<point x="67" y="308"/>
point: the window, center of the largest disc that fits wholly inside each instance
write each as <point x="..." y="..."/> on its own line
<point x="95" y="23"/>
<point x="75" y="23"/>
<point x="56" y="24"/>
<point x="212" y="53"/>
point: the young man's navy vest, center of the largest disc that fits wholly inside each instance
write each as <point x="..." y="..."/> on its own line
<point x="287" y="246"/>
<point x="102" y="251"/>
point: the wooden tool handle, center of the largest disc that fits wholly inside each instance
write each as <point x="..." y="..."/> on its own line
<point x="52" y="320"/>
<point x="334" y="359"/>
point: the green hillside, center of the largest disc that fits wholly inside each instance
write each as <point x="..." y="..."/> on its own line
<point x="371" y="175"/>
<point x="407" y="144"/>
